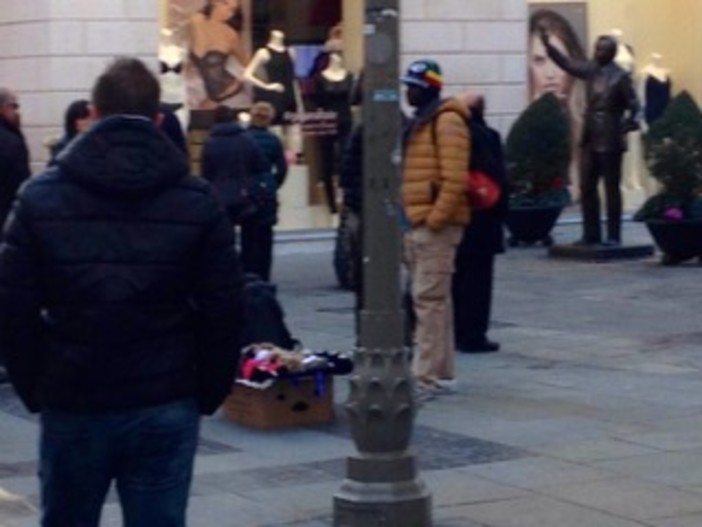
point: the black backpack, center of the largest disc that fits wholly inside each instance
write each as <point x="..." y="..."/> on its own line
<point x="483" y="157"/>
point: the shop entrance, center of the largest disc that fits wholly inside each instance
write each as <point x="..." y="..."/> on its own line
<point x="238" y="52"/>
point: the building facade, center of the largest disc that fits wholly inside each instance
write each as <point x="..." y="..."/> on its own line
<point x="53" y="49"/>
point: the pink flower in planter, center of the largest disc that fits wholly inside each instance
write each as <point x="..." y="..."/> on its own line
<point x="673" y="213"/>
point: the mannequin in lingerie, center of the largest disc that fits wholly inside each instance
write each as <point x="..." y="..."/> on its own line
<point x="332" y="93"/>
<point x="655" y="88"/>
<point x="633" y="159"/>
<point x="624" y="58"/>
<point x="173" y="90"/>
<point x="277" y="84"/>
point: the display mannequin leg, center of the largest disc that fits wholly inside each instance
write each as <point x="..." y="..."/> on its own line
<point x="328" y="165"/>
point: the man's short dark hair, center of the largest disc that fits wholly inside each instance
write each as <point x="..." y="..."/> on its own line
<point x="127" y="87"/>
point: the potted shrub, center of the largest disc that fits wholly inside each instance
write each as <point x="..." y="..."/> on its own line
<point x="673" y="149"/>
<point x="538" y="156"/>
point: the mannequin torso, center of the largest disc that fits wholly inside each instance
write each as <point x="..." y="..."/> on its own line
<point x="625" y="54"/>
<point x="656" y="89"/>
<point x="335" y="72"/>
<point x="171" y="59"/>
<point x="261" y="60"/>
<point x="173" y="87"/>
<point x="654" y="69"/>
<point x="333" y="87"/>
<point x="276" y="61"/>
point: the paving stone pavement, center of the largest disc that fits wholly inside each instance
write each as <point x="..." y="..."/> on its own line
<point x="589" y="416"/>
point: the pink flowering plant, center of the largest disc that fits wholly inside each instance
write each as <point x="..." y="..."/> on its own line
<point x="673" y="147"/>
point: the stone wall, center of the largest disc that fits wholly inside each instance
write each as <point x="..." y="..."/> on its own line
<point x="52" y="50"/>
<point x="480" y="44"/>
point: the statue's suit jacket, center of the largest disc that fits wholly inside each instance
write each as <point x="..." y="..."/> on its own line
<point x="610" y="94"/>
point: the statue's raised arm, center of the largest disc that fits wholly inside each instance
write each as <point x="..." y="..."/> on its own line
<point x="581" y="69"/>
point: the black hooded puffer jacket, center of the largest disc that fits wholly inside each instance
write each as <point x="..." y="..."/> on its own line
<point x="119" y="281"/>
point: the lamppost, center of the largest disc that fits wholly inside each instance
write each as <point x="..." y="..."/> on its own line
<point x="382" y="487"/>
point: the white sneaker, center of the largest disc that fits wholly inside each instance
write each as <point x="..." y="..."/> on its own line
<point x="446" y="386"/>
<point x="424" y="392"/>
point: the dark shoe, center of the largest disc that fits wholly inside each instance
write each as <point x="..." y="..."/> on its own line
<point x="586" y="243"/>
<point x="487" y="346"/>
<point x="612" y="243"/>
<point x="3" y="375"/>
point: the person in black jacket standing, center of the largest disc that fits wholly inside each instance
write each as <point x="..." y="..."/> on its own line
<point x="76" y="120"/>
<point x="276" y="170"/>
<point x="234" y="164"/>
<point x="14" y="156"/>
<point x="120" y="306"/>
<point x="14" y="166"/>
<point x="482" y="240"/>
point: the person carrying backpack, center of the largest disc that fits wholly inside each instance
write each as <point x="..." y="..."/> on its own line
<point x="436" y="150"/>
<point x="260" y="228"/>
<point x="482" y="240"/>
<point x="235" y="166"/>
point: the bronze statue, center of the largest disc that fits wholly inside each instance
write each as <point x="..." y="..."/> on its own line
<point x="610" y="95"/>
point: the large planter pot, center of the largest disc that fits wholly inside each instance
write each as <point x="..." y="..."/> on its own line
<point x="530" y="225"/>
<point x="677" y="240"/>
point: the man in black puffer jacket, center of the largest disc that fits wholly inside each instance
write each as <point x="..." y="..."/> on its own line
<point x="14" y="165"/>
<point x="120" y="300"/>
<point x="14" y="156"/>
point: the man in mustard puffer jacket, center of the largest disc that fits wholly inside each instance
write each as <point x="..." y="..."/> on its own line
<point x="436" y="151"/>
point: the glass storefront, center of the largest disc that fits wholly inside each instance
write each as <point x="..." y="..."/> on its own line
<point x="289" y="54"/>
<point x="654" y="45"/>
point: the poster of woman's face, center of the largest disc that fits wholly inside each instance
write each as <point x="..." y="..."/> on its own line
<point x="217" y="37"/>
<point x="566" y="24"/>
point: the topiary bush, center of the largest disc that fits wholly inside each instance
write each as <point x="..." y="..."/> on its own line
<point x="538" y="155"/>
<point x="673" y="150"/>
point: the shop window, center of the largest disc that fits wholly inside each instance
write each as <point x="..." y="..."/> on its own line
<point x="238" y="52"/>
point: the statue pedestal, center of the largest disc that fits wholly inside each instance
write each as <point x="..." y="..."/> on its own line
<point x="600" y="253"/>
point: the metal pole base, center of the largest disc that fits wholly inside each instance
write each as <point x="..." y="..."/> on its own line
<point x="382" y="491"/>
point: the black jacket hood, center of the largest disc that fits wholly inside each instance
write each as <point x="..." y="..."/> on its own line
<point x="123" y="155"/>
<point x="227" y="129"/>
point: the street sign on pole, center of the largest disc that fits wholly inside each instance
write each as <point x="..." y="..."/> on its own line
<point x="382" y="487"/>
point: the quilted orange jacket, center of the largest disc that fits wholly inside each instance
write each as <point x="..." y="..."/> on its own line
<point x="436" y="159"/>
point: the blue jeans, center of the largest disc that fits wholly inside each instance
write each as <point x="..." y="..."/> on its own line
<point x="148" y="452"/>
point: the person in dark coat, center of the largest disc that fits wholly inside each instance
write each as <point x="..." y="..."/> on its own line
<point x="482" y="240"/>
<point x="120" y="308"/>
<point x="76" y="120"/>
<point x="351" y="183"/>
<point x="14" y="166"/>
<point x="14" y="155"/>
<point x="275" y="173"/>
<point x="233" y="163"/>
<point x="171" y="127"/>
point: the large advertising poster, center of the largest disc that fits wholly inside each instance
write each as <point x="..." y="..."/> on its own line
<point x="215" y="39"/>
<point x="566" y="23"/>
